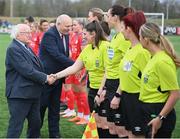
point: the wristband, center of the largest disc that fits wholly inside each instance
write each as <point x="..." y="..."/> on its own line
<point x="104" y="88"/>
<point x="161" y="117"/>
<point x="117" y="95"/>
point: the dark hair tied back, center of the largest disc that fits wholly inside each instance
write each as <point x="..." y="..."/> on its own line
<point x="94" y="26"/>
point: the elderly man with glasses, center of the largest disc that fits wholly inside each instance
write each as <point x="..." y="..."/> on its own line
<point x="24" y="84"/>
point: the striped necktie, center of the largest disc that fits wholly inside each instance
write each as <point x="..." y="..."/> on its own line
<point x="64" y="43"/>
<point x="31" y="52"/>
<point x="27" y="48"/>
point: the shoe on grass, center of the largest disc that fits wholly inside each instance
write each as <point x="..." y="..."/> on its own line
<point x="82" y="122"/>
<point x="64" y="112"/>
<point x="69" y="114"/>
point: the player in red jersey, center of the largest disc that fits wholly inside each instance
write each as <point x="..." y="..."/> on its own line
<point x="34" y="33"/>
<point x="43" y="27"/>
<point x="34" y="44"/>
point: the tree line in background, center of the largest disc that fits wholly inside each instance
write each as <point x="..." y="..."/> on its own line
<point x="79" y="8"/>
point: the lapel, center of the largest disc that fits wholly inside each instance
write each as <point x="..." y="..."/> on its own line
<point x="60" y="40"/>
<point x="36" y="58"/>
<point x="31" y="55"/>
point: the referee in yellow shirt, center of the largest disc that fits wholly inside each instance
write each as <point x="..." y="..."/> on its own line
<point x="131" y="68"/>
<point x="159" y="86"/>
<point x="93" y="58"/>
<point x="115" y="52"/>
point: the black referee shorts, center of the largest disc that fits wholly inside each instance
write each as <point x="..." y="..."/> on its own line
<point x="150" y="111"/>
<point x="130" y="105"/>
<point x="111" y="86"/>
<point x="91" y="95"/>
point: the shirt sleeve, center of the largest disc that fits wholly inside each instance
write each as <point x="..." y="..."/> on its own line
<point x="23" y="67"/>
<point x="167" y="76"/>
<point x="104" y="54"/>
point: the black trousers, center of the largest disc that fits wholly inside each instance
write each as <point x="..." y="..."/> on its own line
<point x="50" y="99"/>
<point x="21" y="109"/>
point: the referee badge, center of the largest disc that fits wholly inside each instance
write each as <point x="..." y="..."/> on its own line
<point x="127" y="66"/>
<point x="146" y="78"/>
<point x="110" y="53"/>
<point x="97" y="63"/>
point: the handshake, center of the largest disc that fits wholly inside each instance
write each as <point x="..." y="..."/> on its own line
<point x="51" y="78"/>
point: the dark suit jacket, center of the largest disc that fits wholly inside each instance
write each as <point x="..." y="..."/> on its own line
<point x="52" y="53"/>
<point x="24" y="73"/>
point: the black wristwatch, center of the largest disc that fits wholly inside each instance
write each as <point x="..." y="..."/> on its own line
<point x="161" y="117"/>
<point x="117" y="95"/>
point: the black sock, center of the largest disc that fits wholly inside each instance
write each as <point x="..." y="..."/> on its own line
<point x="126" y="137"/>
<point x="99" y="132"/>
<point x="105" y="133"/>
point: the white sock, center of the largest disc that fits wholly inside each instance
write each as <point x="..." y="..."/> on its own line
<point x="80" y="115"/>
<point x="67" y="110"/>
<point x="71" y="111"/>
<point x="86" y="117"/>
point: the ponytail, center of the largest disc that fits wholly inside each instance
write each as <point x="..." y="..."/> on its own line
<point x="168" y="48"/>
<point x="99" y="33"/>
<point x="153" y="33"/>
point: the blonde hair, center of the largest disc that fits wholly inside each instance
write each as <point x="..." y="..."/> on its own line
<point x="97" y="12"/>
<point x="153" y="33"/>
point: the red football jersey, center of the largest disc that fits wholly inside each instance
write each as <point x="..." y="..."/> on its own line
<point x="75" y="43"/>
<point x="40" y="35"/>
<point x="34" y="44"/>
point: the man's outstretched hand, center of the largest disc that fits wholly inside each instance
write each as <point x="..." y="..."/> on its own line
<point x="51" y="79"/>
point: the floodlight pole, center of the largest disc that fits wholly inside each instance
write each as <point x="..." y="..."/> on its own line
<point x="167" y="9"/>
<point x="11" y="8"/>
<point x="168" y="3"/>
<point x="129" y="3"/>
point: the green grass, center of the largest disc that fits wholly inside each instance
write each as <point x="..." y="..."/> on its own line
<point x="4" y="40"/>
<point x="68" y="130"/>
<point x="176" y="43"/>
